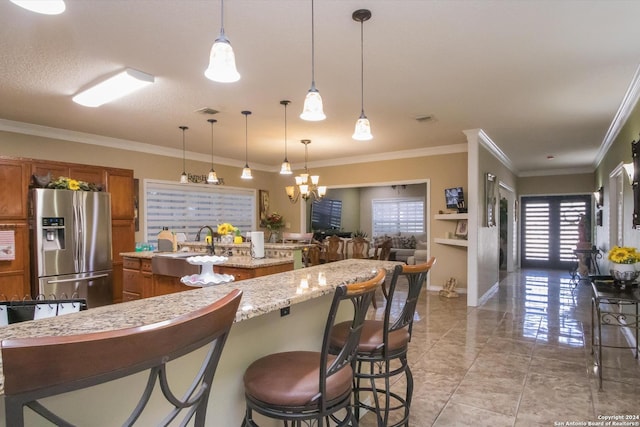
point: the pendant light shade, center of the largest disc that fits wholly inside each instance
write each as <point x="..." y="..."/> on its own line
<point x="313" y="110"/>
<point x="45" y="7"/>
<point x="222" y="60"/>
<point x="363" y="127"/>
<point x="184" y="178"/>
<point x="246" y="171"/>
<point x="285" y="168"/>
<point x="212" y="177"/>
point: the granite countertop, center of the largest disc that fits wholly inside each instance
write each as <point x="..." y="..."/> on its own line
<point x="232" y="261"/>
<point x="247" y="245"/>
<point x="261" y="295"/>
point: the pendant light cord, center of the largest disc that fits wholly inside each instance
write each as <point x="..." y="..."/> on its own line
<point x="313" y="50"/>
<point x="362" y="66"/>
<point x="285" y="132"/>
<point x="212" y="121"/>
<point x="222" y="16"/>
<point x="246" y="141"/>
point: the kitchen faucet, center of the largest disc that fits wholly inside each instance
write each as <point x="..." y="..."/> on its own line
<point x="210" y="249"/>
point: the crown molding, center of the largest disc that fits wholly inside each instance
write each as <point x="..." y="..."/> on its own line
<point x="629" y="101"/>
<point x="117" y="143"/>
<point x="124" y="144"/>
<point x="488" y="143"/>
<point x="553" y="172"/>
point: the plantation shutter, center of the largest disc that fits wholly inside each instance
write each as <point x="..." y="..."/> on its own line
<point x="391" y="216"/>
<point x="187" y="207"/>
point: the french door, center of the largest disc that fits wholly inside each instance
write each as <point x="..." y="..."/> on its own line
<point x="551" y="226"/>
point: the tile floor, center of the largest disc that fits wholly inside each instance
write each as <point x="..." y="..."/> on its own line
<point x="521" y="359"/>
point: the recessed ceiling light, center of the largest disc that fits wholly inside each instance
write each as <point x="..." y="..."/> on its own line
<point x="46" y="7"/>
<point x="115" y="87"/>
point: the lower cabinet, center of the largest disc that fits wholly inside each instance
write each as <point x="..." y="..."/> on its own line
<point x="139" y="282"/>
<point x="136" y="278"/>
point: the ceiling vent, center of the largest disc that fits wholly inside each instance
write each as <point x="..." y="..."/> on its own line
<point x="425" y="118"/>
<point x="207" y="110"/>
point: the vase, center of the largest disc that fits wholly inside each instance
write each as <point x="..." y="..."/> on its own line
<point x="226" y="239"/>
<point x="624" y="272"/>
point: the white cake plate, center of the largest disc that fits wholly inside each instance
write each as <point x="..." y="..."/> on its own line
<point x="206" y="277"/>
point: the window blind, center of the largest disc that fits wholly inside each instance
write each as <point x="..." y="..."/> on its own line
<point x="186" y="208"/>
<point x="397" y="215"/>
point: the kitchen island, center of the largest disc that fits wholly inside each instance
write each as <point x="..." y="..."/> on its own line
<point x="148" y="274"/>
<point x="259" y="329"/>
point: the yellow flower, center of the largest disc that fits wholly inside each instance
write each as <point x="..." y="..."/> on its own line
<point x="225" y="228"/>
<point x="73" y="185"/>
<point x="623" y="255"/>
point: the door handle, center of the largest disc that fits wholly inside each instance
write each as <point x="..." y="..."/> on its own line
<point x="79" y="279"/>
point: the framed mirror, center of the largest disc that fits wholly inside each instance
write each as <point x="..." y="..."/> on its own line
<point x="490" y="199"/>
<point x="635" y="154"/>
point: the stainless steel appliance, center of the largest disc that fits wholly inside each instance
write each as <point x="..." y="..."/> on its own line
<point x="71" y="245"/>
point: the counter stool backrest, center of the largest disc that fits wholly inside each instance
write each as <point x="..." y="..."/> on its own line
<point x="416" y="277"/>
<point x="39" y="367"/>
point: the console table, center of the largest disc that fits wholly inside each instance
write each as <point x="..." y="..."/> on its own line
<point x="613" y="305"/>
<point x="586" y="264"/>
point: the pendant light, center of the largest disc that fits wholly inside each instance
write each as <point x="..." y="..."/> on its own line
<point x="312" y="110"/>
<point x="222" y="61"/>
<point x="246" y="171"/>
<point x="212" y="178"/>
<point x="285" y="168"/>
<point x="184" y="178"/>
<point x="363" y="128"/>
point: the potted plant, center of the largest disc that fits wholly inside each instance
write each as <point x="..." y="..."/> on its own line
<point x="623" y="262"/>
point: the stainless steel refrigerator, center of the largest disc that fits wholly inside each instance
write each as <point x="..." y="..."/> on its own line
<point x="71" y="245"/>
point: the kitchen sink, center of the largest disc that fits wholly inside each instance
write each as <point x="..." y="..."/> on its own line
<point x="179" y="254"/>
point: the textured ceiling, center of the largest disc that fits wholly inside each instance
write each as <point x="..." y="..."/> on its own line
<point x="540" y="77"/>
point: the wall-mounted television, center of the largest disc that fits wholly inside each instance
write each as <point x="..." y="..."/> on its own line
<point x="454" y="198"/>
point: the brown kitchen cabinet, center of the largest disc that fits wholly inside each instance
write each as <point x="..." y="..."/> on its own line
<point x="250" y="273"/>
<point x="122" y="240"/>
<point x="14" y="176"/>
<point x="164" y="285"/>
<point x="15" y="274"/>
<point x="120" y="185"/>
<point x="86" y="173"/>
<point x="137" y="279"/>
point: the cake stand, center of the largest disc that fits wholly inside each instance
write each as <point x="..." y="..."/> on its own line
<point x="206" y="277"/>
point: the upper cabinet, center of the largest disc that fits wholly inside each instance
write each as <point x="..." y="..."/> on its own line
<point x="91" y="174"/>
<point x="14" y="185"/>
<point x="120" y="185"/>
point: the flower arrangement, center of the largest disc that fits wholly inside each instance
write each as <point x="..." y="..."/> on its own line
<point x="274" y="221"/>
<point x="623" y="255"/>
<point x="226" y="228"/>
<point x="66" y="183"/>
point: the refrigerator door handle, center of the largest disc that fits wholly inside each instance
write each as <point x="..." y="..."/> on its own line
<point x="78" y="279"/>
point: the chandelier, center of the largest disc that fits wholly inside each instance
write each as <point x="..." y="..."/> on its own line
<point x="306" y="185"/>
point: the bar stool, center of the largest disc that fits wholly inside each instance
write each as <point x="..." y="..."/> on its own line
<point x="40" y="367"/>
<point x="306" y="386"/>
<point x="384" y="342"/>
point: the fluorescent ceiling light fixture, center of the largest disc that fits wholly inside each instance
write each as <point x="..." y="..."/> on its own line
<point x="113" y="88"/>
<point x="46" y="7"/>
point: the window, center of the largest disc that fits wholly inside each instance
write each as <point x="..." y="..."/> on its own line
<point x="392" y="216"/>
<point x="326" y="214"/>
<point x="186" y="208"/>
